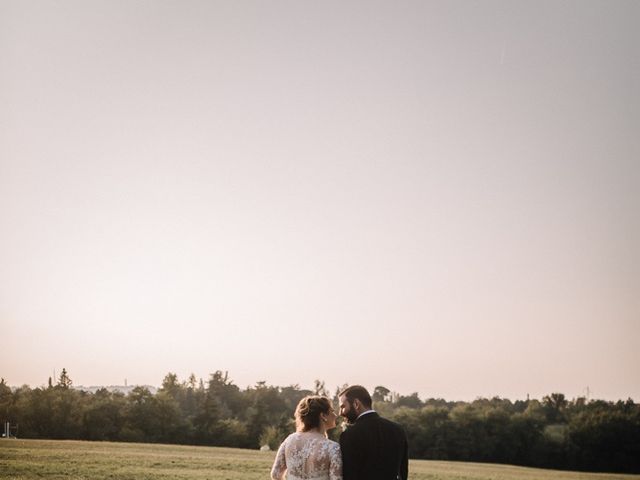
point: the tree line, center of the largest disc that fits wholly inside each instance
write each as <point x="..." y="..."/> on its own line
<point x="554" y="432"/>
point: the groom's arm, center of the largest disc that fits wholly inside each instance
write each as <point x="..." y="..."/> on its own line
<point x="404" y="466"/>
<point x="349" y="471"/>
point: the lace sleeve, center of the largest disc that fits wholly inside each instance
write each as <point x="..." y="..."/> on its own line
<point x="335" y="462"/>
<point x="279" y="465"/>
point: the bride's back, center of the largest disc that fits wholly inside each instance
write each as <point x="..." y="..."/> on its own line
<point x="308" y="456"/>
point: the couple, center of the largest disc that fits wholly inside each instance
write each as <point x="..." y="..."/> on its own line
<point x="371" y="448"/>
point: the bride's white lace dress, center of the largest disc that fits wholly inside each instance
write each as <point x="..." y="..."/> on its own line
<point x="307" y="456"/>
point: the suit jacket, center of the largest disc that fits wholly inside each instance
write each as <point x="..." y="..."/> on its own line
<point x="374" y="448"/>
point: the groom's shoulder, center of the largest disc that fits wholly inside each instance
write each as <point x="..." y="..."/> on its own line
<point x="364" y="426"/>
<point x="390" y="425"/>
<point x="389" y="422"/>
<point x="352" y="431"/>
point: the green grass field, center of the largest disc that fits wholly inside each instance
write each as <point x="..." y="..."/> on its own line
<point x="36" y="459"/>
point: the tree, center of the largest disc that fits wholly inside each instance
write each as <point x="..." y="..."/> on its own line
<point x="411" y="401"/>
<point x="191" y="383"/>
<point x="291" y="395"/>
<point x="607" y="438"/>
<point x="319" y="388"/>
<point x="577" y="435"/>
<point x="66" y="409"/>
<point x="170" y="386"/>
<point x="230" y="401"/>
<point x="170" y="424"/>
<point x="206" y="421"/>
<point x="266" y="408"/>
<point x="64" y="381"/>
<point x="554" y="405"/>
<point x="103" y="417"/>
<point x="380" y="394"/>
<point x="6" y="400"/>
<point x="141" y="419"/>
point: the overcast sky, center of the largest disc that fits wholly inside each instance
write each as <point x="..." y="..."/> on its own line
<point x="439" y="197"/>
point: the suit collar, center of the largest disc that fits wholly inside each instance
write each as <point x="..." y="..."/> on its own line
<point x="367" y="414"/>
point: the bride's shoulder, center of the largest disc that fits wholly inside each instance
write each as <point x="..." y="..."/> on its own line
<point x="291" y="437"/>
<point x="332" y="444"/>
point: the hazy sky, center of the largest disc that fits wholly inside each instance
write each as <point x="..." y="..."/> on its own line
<point x="440" y="197"/>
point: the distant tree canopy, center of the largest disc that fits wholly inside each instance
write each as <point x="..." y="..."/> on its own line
<point x="555" y="432"/>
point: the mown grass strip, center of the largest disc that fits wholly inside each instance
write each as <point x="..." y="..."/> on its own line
<point x="77" y="460"/>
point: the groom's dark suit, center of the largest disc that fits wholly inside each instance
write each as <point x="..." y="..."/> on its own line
<point x="374" y="448"/>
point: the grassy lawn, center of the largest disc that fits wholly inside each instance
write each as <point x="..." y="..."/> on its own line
<point x="35" y="459"/>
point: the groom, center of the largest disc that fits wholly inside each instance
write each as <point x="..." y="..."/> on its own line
<point x="373" y="448"/>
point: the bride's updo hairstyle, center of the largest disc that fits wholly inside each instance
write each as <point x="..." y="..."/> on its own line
<point x="308" y="412"/>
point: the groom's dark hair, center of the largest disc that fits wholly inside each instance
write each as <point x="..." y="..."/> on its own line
<point x="359" y="392"/>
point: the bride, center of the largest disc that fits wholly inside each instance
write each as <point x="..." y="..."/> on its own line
<point x="308" y="454"/>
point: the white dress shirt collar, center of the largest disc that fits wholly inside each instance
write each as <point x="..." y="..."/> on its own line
<point x="366" y="413"/>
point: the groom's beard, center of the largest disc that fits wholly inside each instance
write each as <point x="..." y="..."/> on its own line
<point x="351" y="416"/>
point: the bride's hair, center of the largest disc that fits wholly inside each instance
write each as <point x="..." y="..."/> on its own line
<point x="308" y="411"/>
